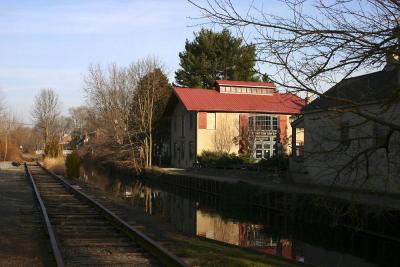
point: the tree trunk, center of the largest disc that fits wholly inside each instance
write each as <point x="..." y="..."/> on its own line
<point x="146" y="152"/>
<point x="150" y="149"/>
<point x="6" y="147"/>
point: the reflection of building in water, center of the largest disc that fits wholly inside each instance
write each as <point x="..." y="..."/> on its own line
<point x="181" y="212"/>
<point x="128" y="192"/>
<point x="214" y="227"/>
<point x="178" y="211"/>
<point x="242" y="234"/>
<point x="84" y="177"/>
<point x="141" y="196"/>
<point x="303" y="228"/>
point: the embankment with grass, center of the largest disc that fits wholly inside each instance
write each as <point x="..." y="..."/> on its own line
<point x="56" y="165"/>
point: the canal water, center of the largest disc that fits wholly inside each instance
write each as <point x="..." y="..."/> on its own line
<point x="305" y="228"/>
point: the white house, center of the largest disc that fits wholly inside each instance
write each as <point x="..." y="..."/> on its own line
<point x="354" y="143"/>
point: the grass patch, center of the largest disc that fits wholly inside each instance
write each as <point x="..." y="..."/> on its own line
<point x="207" y="253"/>
<point x="56" y="165"/>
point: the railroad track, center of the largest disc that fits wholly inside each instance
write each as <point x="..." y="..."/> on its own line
<point x="82" y="232"/>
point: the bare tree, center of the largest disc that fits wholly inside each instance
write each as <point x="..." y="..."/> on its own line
<point x="110" y="93"/>
<point x="128" y="101"/>
<point x="62" y="126"/>
<point x="8" y="124"/>
<point x="26" y="137"/>
<point x="225" y="133"/>
<point x="80" y="117"/>
<point x="16" y="137"/>
<point x="45" y="112"/>
<point x="310" y="51"/>
<point x="317" y="45"/>
<point x="319" y="42"/>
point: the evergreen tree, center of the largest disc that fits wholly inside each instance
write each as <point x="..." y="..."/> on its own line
<point x="215" y="55"/>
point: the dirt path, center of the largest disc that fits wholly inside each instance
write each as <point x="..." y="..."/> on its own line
<point x="22" y="238"/>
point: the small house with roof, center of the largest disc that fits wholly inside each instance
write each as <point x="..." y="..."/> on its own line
<point x="235" y="117"/>
<point x="351" y="135"/>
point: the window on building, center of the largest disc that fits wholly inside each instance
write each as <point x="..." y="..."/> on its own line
<point x="380" y="132"/>
<point x="211" y="121"/>
<point x="182" y="150"/>
<point x="175" y="150"/>
<point x="274" y="123"/>
<point x="266" y="122"/>
<point x="259" y="152"/>
<point x="183" y="126"/>
<point x="263" y="123"/>
<point x="191" y="150"/>
<point x="174" y="123"/>
<point x="344" y="133"/>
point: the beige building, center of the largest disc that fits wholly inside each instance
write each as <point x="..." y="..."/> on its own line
<point x="355" y="144"/>
<point x="235" y="117"/>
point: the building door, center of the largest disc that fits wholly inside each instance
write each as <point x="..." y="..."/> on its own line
<point x="182" y="154"/>
<point x="264" y="148"/>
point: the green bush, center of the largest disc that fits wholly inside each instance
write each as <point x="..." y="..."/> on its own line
<point x="247" y="159"/>
<point x="214" y="159"/>
<point x="72" y="165"/>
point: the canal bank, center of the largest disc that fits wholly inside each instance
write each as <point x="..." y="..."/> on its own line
<point x="23" y="241"/>
<point x="269" y="181"/>
<point x="302" y="227"/>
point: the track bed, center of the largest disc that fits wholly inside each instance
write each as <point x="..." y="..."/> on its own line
<point x="84" y="235"/>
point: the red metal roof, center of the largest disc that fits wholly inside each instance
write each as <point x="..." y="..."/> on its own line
<point x="195" y="99"/>
<point x="244" y="84"/>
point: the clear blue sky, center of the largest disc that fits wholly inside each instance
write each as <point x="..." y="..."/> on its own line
<point x="47" y="43"/>
<point x="50" y="44"/>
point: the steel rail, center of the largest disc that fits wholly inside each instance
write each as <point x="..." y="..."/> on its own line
<point x="49" y="228"/>
<point x="154" y="248"/>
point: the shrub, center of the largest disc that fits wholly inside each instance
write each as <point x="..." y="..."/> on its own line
<point x="247" y="159"/>
<point x="53" y="148"/>
<point x="275" y="161"/>
<point x="214" y="159"/>
<point x="72" y="165"/>
<point x="13" y="153"/>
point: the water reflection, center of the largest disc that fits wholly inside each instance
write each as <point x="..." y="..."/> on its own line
<point x="323" y="232"/>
